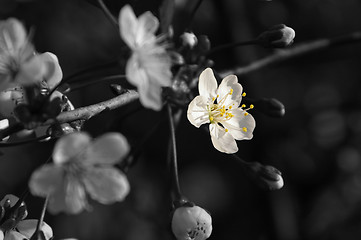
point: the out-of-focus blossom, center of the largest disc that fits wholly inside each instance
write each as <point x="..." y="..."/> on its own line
<point x="82" y="166"/>
<point x="19" y="65"/>
<point x="191" y="223"/>
<point x="220" y="107"/>
<point x="278" y="36"/>
<point x="15" y="228"/>
<point x="16" y="95"/>
<point x="148" y="68"/>
<point x="189" y="39"/>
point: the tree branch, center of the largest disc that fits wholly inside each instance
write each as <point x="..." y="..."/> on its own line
<point x="85" y="113"/>
<point x="293" y="52"/>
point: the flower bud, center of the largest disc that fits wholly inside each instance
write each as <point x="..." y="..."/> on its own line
<point x="191" y="223"/>
<point x="189" y="39"/>
<point x="271" y="107"/>
<point x="267" y="177"/>
<point x="278" y="36"/>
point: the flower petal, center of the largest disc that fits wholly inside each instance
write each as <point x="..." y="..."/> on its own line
<point x="157" y="67"/>
<point x="207" y="84"/>
<point x="13" y="199"/>
<point x="197" y="112"/>
<point x="240" y="126"/>
<point x="224" y="90"/>
<point x="222" y="140"/>
<point x="117" y="185"/>
<point x="14" y="235"/>
<point x="69" y="146"/>
<point x="147" y="26"/>
<point x="4" y="123"/>
<point x="149" y="93"/>
<point x="28" y="227"/>
<point x="53" y="73"/>
<point x="46" y="179"/>
<point x="109" y="148"/>
<point x="75" y="197"/>
<point x="128" y="24"/>
<point x="31" y="71"/>
<point x="13" y="35"/>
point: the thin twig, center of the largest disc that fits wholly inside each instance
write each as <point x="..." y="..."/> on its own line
<point x="231" y="45"/>
<point x="193" y="13"/>
<point x="40" y="221"/>
<point x="293" y="52"/>
<point x="85" y="113"/>
<point x="173" y="149"/>
<point x="108" y="14"/>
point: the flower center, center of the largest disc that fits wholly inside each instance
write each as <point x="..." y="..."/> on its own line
<point x="219" y="112"/>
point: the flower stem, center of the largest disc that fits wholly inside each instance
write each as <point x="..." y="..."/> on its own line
<point x="231" y="45"/>
<point x="108" y="14"/>
<point x="295" y="51"/>
<point x="36" y="235"/>
<point x="173" y="149"/>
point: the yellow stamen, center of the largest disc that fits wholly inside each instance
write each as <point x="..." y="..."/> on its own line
<point x="244" y="129"/>
<point x="213" y="99"/>
<point x="230" y="107"/>
<point x="226" y="129"/>
<point x="243" y="106"/>
<point x="251" y="106"/>
<point x="246" y="113"/>
<point x="211" y="118"/>
<point x="231" y="92"/>
<point x="217" y="96"/>
<point x="244" y="94"/>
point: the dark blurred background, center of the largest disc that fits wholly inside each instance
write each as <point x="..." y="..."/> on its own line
<point x="316" y="144"/>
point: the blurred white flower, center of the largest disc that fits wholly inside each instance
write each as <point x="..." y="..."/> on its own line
<point x="191" y="223"/>
<point x="148" y="68"/>
<point x="19" y="65"/>
<point x="17" y="228"/>
<point x="4" y="123"/>
<point x="220" y="107"/>
<point x="82" y="166"/>
<point x="15" y="95"/>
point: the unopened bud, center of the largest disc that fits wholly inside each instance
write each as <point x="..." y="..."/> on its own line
<point x="278" y="36"/>
<point x="191" y="223"/>
<point x="204" y="44"/>
<point x="271" y="107"/>
<point x="189" y="39"/>
<point x="267" y="177"/>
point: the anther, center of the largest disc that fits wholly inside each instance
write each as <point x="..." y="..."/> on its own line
<point x="231" y="92"/>
<point x="244" y="94"/>
<point x="226" y="129"/>
<point x="243" y="106"/>
<point x="211" y="118"/>
<point x="244" y="129"/>
<point x="246" y="113"/>
<point x="251" y="106"/>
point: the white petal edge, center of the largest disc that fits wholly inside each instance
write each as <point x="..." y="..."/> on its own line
<point x="108" y="148"/>
<point x="207" y="84"/>
<point x="69" y="146"/>
<point x="197" y="112"/>
<point x="128" y="24"/>
<point x="236" y="124"/>
<point x="28" y="227"/>
<point x="117" y="185"/>
<point x="222" y="141"/>
<point x="228" y="83"/>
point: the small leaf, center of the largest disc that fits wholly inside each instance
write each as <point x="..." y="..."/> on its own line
<point x="166" y="12"/>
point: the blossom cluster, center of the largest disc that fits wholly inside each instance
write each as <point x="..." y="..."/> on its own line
<point x="83" y="168"/>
